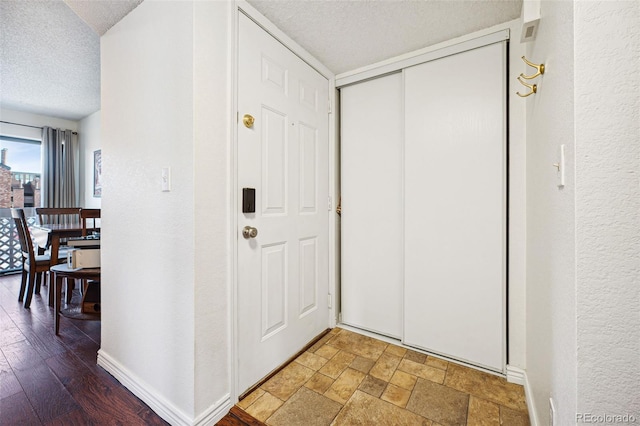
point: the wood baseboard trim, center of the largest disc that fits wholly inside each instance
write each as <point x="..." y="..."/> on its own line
<point x="280" y="367"/>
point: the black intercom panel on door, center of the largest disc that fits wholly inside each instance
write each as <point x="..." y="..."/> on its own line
<point x="248" y="200"/>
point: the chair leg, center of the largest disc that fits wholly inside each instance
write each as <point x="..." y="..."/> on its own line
<point x="30" y="290"/>
<point x="38" y="282"/>
<point x="23" y="285"/>
<point x="50" y="285"/>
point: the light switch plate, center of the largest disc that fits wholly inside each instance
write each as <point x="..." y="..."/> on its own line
<point x="166" y="179"/>
<point x="561" y="167"/>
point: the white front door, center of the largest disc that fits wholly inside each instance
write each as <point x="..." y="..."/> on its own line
<point x="283" y="270"/>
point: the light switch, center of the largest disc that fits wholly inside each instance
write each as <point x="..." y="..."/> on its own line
<point x="166" y="179"/>
<point x="560" y="166"/>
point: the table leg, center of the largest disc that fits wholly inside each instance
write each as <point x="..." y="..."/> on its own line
<point x="57" y="302"/>
<point x="55" y="248"/>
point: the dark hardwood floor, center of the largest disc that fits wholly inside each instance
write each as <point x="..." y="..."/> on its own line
<point x="54" y="380"/>
<point x="237" y="417"/>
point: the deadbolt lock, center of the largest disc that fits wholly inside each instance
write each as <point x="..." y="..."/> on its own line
<point x="249" y="232"/>
<point x="248" y="121"/>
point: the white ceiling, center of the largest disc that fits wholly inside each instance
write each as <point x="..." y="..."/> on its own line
<point x="349" y="34"/>
<point x="50" y="57"/>
<point x="50" y="51"/>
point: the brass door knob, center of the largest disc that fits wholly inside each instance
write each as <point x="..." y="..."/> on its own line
<point x="248" y="121"/>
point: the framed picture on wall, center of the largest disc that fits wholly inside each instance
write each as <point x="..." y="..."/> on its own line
<point x="97" y="173"/>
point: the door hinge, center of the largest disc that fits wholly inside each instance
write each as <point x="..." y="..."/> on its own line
<point x="329" y="301"/>
<point x="329" y="203"/>
<point x="329" y="105"/>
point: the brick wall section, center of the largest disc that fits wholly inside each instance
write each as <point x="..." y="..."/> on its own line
<point x="18" y="197"/>
<point x="37" y="202"/>
<point x="5" y="187"/>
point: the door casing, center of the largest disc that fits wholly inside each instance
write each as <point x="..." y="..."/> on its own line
<point x="253" y="14"/>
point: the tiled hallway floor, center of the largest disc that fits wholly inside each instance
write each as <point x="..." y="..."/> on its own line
<point x="350" y="379"/>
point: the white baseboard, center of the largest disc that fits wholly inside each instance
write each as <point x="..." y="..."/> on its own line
<point x="215" y="413"/>
<point x="528" y="394"/>
<point x="515" y="375"/>
<point x="158" y="403"/>
<point x="519" y="376"/>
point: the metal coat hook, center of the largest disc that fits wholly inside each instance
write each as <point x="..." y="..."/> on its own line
<point x="538" y="67"/>
<point x="533" y="87"/>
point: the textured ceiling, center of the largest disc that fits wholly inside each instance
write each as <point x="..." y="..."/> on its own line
<point x="50" y="50"/>
<point x="345" y="34"/>
<point x="50" y="58"/>
<point x="102" y="15"/>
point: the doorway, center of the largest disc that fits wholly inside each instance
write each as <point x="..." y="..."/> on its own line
<point x="282" y="218"/>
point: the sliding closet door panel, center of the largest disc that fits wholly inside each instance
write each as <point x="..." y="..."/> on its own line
<point x="455" y="207"/>
<point x="371" y="189"/>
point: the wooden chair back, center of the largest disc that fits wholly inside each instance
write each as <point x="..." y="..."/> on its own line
<point x="26" y="244"/>
<point x="87" y="215"/>
<point x="58" y="215"/>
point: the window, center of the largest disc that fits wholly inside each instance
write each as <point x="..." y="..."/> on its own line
<point x="20" y="171"/>
<point x="20" y="183"/>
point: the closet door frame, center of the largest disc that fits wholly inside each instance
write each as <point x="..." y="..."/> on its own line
<point x="438" y="51"/>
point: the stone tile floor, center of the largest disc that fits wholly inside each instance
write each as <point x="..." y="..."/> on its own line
<point x="350" y="379"/>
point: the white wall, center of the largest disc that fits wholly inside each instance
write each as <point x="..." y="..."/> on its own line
<point x="607" y="123"/>
<point x="165" y="325"/>
<point x="583" y="263"/>
<point x="551" y="274"/>
<point x="213" y="23"/>
<point x="29" y="119"/>
<point x="89" y="137"/>
<point x="517" y="206"/>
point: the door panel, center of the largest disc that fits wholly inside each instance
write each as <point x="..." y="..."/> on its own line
<point x="274" y="161"/>
<point x="455" y="206"/>
<point x="372" y="213"/>
<point x="283" y="271"/>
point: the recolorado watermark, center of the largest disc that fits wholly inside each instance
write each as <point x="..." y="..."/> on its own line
<point x="605" y="418"/>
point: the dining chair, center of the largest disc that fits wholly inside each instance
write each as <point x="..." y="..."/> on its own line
<point x="55" y="215"/>
<point x="87" y="215"/>
<point x="33" y="265"/>
<point x="58" y="215"/>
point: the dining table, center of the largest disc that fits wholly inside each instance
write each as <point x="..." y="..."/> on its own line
<point x="48" y="236"/>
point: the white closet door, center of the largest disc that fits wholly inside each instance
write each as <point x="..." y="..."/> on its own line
<point x="455" y="206"/>
<point x="371" y="188"/>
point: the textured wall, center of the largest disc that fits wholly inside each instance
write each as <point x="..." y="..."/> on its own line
<point x="147" y="249"/>
<point x="165" y="98"/>
<point x="30" y="120"/>
<point x="607" y="59"/>
<point x="212" y="136"/>
<point x="89" y="137"/>
<point x="551" y="334"/>
<point x="517" y="208"/>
